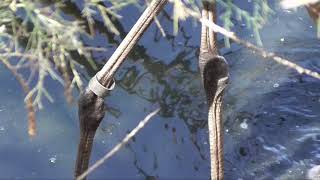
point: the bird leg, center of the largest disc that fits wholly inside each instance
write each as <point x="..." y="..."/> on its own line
<point x="91" y="102"/>
<point x="91" y="113"/>
<point x="215" y="74"/>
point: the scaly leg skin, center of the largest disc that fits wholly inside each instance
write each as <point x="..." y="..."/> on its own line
<point x="91" y="113"/>
<point x="214" y="73"/>
<point x="215" y="81"/>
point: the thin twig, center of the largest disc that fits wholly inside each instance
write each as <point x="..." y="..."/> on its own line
<point x="114" y="150"/>
<point x="156" y="20"/>
<point x="163" y="33"/>
<point x="17" y="54"/>
<point x="67" y="82"/>
<point x="261" y="51"/>
<point x="28" y="102"/>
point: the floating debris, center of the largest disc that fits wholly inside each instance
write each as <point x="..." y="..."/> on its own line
<point x="244" y="124"/>
<point x="53" y="159"/>
<point x="276" y="85"/>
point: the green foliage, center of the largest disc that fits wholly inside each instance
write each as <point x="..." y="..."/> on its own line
<point x="42" y="40"/>
<point x="36" y="35"/>
<point x="255" y="22"/>
<point x="92" y="7"/>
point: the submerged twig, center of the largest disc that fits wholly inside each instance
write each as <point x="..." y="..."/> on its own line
<point x="67" y="82"/>
<point x="28" y="101"/>
<point x="156" y="20"/>
<point x="124" y="141"/>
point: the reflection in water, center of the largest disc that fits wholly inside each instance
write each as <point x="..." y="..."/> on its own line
<point x="278" y="108"/>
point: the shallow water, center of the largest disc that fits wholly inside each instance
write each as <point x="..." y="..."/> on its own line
<point x="271" y="113"/>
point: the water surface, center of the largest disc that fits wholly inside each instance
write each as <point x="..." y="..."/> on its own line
<point x="271" y="113"/>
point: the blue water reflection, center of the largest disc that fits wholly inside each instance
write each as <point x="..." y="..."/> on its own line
<point x="272" y="126"/>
